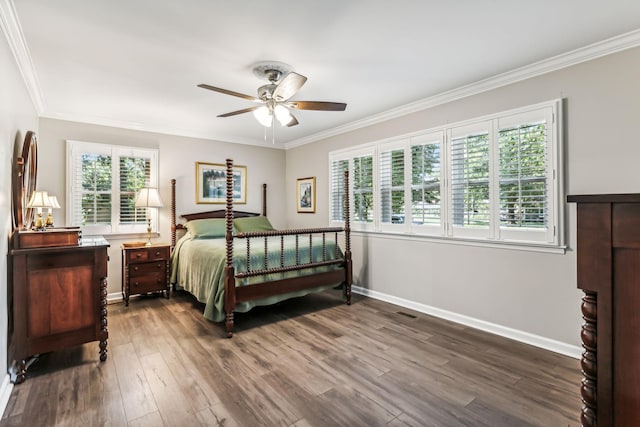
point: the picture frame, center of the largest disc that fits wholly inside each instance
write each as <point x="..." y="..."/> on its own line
<point x="306" y="195"/>
<point x="211" y="183"/>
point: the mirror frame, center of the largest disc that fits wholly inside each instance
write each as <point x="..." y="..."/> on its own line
<point x="24" y="181"/>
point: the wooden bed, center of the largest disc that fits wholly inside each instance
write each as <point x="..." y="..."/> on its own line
<point x="273" y="280"/>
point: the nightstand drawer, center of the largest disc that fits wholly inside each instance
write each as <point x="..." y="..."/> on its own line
<point x="148" y="254"/>
<point x="146" y="268"/>
<point x="152" y="283"/>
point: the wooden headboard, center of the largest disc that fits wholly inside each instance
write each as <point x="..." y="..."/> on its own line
<point x="220" y="213"/>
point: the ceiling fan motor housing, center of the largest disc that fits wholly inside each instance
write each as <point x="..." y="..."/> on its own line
<point x="266" y="92"/>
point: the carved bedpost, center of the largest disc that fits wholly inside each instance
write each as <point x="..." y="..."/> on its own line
<point x="173" y="213"/>
<point x="264" y="199"/>
<point x="229" y="273"/>
<point x="347" y="233"/>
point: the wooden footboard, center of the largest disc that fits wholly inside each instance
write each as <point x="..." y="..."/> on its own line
<point x="235" y="294"/>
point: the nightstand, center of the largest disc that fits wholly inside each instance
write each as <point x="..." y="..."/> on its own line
<point x="145" y="269"/>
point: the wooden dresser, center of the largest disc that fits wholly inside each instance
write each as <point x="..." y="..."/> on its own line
<point x="608" y="258"/>
<point x="58" y="293"/>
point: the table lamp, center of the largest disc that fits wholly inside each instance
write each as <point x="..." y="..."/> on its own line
<point x="53" y="202"/>
<point x="39" y="200"/>
<point x="148" y="197"/>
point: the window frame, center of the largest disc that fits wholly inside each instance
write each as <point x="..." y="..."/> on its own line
<point x="551" y="237"/>
<point x="74" y="150"/>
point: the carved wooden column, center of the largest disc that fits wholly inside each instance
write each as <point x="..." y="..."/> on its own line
<point x="589" y="359"/>
<point x="104" y="331"/>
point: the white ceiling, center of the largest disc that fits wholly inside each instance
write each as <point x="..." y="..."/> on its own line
<point x="136" y="63"/>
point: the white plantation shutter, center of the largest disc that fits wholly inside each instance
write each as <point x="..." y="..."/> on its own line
<point x="392" y="185"/>
<point x="426" y="183"/>
<point x="470" y="203"/>
<point x="103" y="181"/>
<point x="363" y="210"/>
<point x="525" y="176"/>
<point x="338" y="189"/>
<point x="134" y="174"/>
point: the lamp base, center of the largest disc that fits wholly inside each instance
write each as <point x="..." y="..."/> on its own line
<point x="38" y="223"/>
<point x="148" y="232"/>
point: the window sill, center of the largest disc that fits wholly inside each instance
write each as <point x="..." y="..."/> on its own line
<point x="126" y="236"/>
<point x="519" y="246"/>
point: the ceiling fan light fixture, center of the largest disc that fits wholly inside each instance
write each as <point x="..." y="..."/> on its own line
<point x="263" y="115"/>
<point x="283" y="115"/>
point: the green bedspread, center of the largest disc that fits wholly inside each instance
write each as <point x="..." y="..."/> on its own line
<point x="197" y="265"/>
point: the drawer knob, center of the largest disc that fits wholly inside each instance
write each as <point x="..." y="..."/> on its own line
<point x="158" y="253"/>
<point x="138" y="255"/>
<point x="135" y="268"/>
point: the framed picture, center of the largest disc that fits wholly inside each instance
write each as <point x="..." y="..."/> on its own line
<point x="306" y="195"/>
<point x="211" y="183"/>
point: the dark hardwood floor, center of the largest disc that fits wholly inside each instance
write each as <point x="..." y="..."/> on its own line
<point x="312" y="361"/>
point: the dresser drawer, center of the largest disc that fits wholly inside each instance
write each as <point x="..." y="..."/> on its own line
<point x="151" y="283"/>
<point x="148" y="254"/>
<point x="147" y="268"/>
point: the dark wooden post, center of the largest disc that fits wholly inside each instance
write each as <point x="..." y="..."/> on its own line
<point x="173" y="213"/>
<point x="348" y="271"/>
<point x="264" y="199"/>
<point x="229" y="273"/>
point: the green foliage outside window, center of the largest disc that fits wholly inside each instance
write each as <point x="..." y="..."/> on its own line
<point x="523" y="183"/>
<point x="363" y="189"/>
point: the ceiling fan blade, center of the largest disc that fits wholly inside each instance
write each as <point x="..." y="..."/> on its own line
<point x="317" y="105"/>
<point x="229" y="92"/>
<point x="234" y="113"/>
<point x="288" y="86"/>
<point x="293" y="121"/>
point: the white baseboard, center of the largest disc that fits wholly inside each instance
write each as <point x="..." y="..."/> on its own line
<point x="114" y="297"/>
<point x="5" y="392"/>
<point x="514" y="334"/>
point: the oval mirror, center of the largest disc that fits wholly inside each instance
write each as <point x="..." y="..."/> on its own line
<point x="24" y="181"/>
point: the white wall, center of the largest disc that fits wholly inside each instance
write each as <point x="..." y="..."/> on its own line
<point x="527" y="291"/>
<point x="17" y="116"/>
<point x="177" y="159"/>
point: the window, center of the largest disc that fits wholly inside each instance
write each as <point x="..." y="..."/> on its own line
<point x="392" y="188"/>
<point x="103" y="181"/>
<point x="495" y="179"/>
<point x="338" y="190"/>
<point x="470" y="202"/>
<point x="426" y="183"/>
<point x="363" y="189"/>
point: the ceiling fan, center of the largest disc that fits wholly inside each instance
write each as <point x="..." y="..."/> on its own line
<point x="274" y="97"/>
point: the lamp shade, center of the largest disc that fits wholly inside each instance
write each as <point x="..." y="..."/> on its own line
<point x="39" y="199"/>
<point x="264" y="116"/>
<point x="53" y="202"/>
<point x="148" y="197"/>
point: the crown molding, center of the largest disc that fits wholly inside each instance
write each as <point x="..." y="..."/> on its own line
<point x="12" y="29"/>
<point x="596" y="50"/>
<point x="188" y="133"/>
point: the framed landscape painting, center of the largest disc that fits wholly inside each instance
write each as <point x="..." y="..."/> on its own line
<point x="306" y="195"/>
<point x="211" y="183"/>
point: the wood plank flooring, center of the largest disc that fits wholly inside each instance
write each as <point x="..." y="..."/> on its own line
<point x="312" y="361"/>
